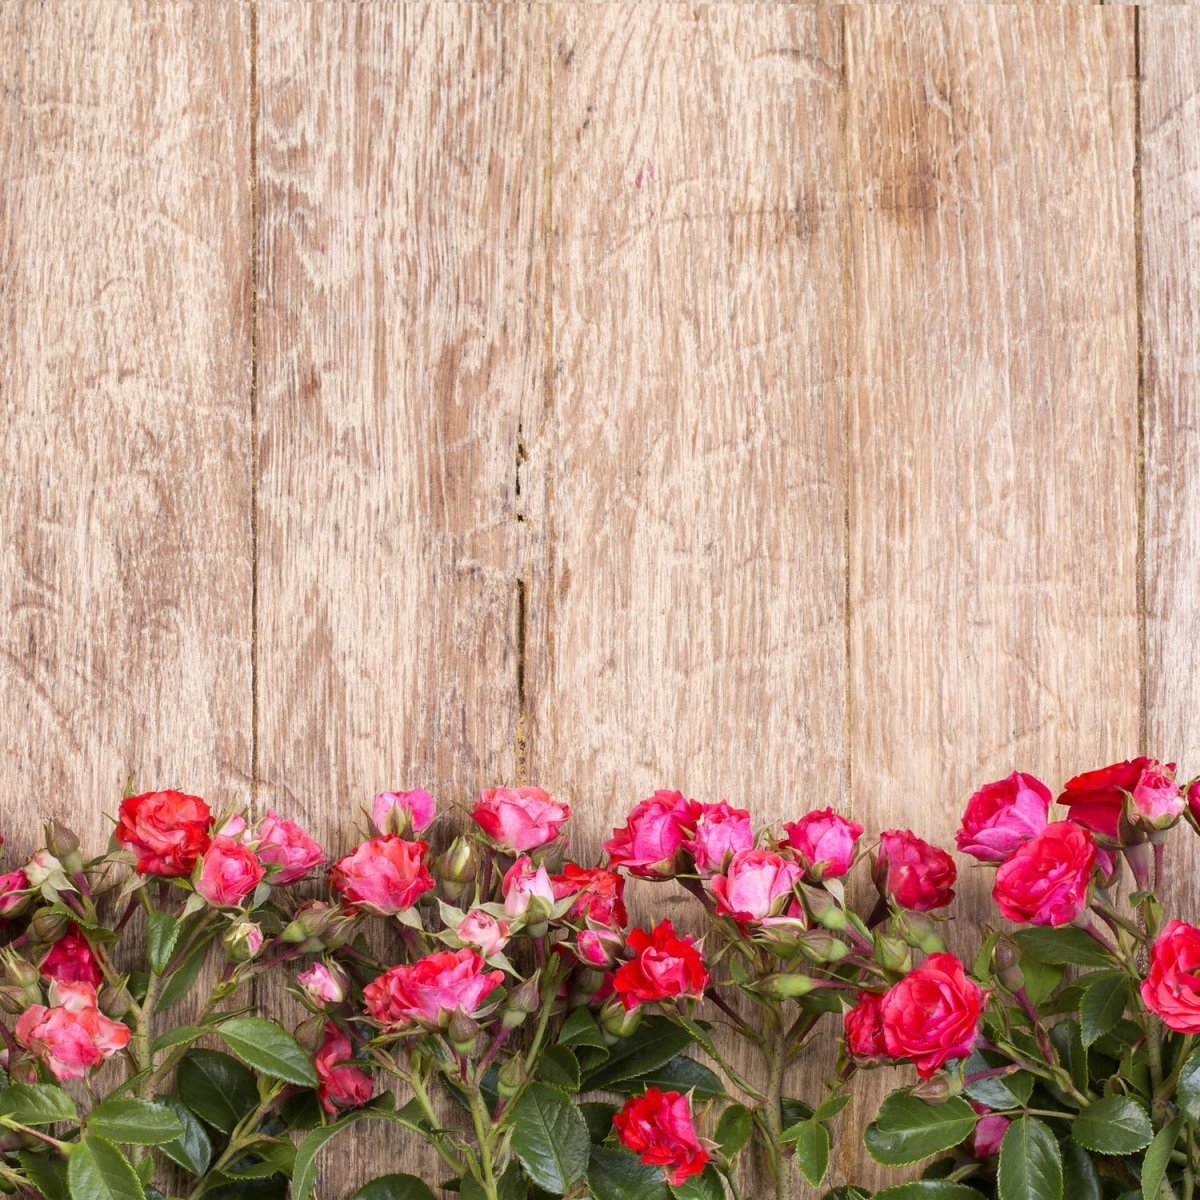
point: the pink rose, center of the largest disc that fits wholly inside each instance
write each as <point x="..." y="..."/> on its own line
<point x="1045" y="881"/>
<point x="599" y="895"/>
<point x="285" y="845"/>
<point x="1171" y="989"/>
<point x="340" y="1086"/>
<point x="824" y="842"/>
<point x="932" y="1014"/>
<point x="599" y="948"/>
<point x="13" y="896"/>
<point x="71" y="960"/>
<point x="1002" y="816"/>
<point x="385" y="875"/>
<point x="915" y="874"/>
<point x="757" y="884"/>
<point x="430" y="991"/>
<point x="482" y="930"/>
<point x="654" y="835"/>
<point x="72" y="1035"/>
<point x="229" y="872"/>
<point x="863" y="1027"/>
<point x="519" y="819"/>
<point x="403" y="813"/>
<point x="527" y="891"/>
<point x="1156" y="797"/>
<point x="1193" y="799"/>
<point x="720" y="832"/>
<point x="323" y="985"/>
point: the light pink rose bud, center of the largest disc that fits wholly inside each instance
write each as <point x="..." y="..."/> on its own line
<point x="1157" y="801"/>
<point x="403" y="813"/>
<point x="285" y="845"/>
<point x="528" y="891"/>
<point x="229" y="872"/>
<point x="757" y="884"/>
<point x="44" y="868"/>
<point x="14" y="894"/>
<point x="599" y="948"/>
<point x="323" y="984"/>
<point x="519" y="819"/>
<point x="234" y="827"/>
<point x="484" y="931"/>
<point x="242" y="941"/>
<point x="721" y="832"/>
<point x="1003" y="816"/>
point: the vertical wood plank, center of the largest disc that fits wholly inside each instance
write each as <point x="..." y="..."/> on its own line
<point x="124" y="386"/>
<point x="401" y="306"/>
<point x="1170" y="69"/>
<point x="993" y="408"/>
<point x="687" y="624"/>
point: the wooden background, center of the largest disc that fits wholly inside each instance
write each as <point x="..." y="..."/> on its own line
<point x="789" y="404"/>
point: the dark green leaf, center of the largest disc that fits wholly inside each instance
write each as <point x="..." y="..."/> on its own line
<point x="269" y="1048"/>
<point x="618" y="1175"/>
<point x="47" y="1172"/>
<point x="162" y="932"/>
<point x="734" y="1129"/>
<point x="550" y="1137"/>
<point x="510" y="1186"/>
<point x="1066" y="944"/>
<point x="1030" y="1162"/>
<point x="216" y="1087"/>
<point x="706" y="1185"/>
<point x="811" y="1141"/>
<point x="1187" y="1090"/>
<point x="559" y="1066"/>
<point x="97" y="1170"/>
<point x="681" y="1074"/>
<point x="1080" y="1181"/>
<point x="996" y="1091"/>
<point x="37" y="1104"/>
<point x="134" y="1122"/>
<point x="394" y="1187"/>
<point x="655" y="1041"/>
<point x="305" y="1171"/>
<point x="1103" y="1003"/>
<point x="181" y="981"/>
<point x="793" y="1110"/>
<point x="192" y="1150"/>
<point x="929" y="1189"/>
<point x="598" y="1117"/>
<point x="1158" y="1158"/>
<point x="908" y="1130"/>
<point x="1115" y="1125"/>
<point x="580" y="1029"/>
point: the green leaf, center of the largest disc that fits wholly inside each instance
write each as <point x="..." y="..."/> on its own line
<point x="997" y="1091"/>
<point x="734" y="1129"/>
<point x="1080" y="1181"/>
<point x="550" y="1137"/>
<point x="680" y="1074"/>
<point x="929" y="1189"/>
<point x="1066" y="944"/>
<point x="37" y="1104"/>
<point x="47" y="1172"/>
<point x="598" y="1117"/>
<point x="655" y="1042"/>
<point x="192" y="1150"/>
<point x="162" y="932"/>
<point x="177" y="1037"/>
<point x="559" y="1066"/>
<point x="580" y="1029"/>
<point x="831" y="1106"/>
<point x="216" y="1087"/>
<point x="700" y="1035"/>
<point x="1187" y="1090"/>
<point x="1115" y="1125"/>
<point x="1103" y="1003"/>
<point x="908" y="1130"/>
<point x="134" y="1122"/>
<point x="394" y="1187"/>
<point x="510" y="1186"/>
<point x="1158" y="1158"/>
<point x="181" y="981"/>
<point x="706" y="1185"/>
<point x="618" y="1175"/>
<point x="269" y="1048"/>
<point x="97" y="1170"/>
<point x="305" y="1171"/>
<point x="1030" y="1162"/>
<point x="811" y="1140"/>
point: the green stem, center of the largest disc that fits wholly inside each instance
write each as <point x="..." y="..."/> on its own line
<point x="483" y="1132"/>
<point x="417" y="1087"/>
<point x="1158" y="1108"/>
<point x="773" y="1053"/>
<point x="244" y="1134"/>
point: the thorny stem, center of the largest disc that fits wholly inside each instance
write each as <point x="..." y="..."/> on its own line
<point x="775" y="1059"/>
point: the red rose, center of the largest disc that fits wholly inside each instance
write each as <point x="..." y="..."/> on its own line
<point x="652" y="841"/>
<point x="168" y="831"/>
<point x="599" y="895"/>
<point x="915" y="874"/>
<point x="519" y="819"/>
<point x="385" y="875"/>
<point x="431" y="990"/>
<point x="932" y="1014"/>
<point x="229" y="872"/>
<point x="1002" y="816"/>
<point x="721" y="832"/>
<point x="71" y="960"/>
<point x="1045" y="881"/>
<point x="863" y="1027"/>
<point x="756" y="885"/>
<point x="340" y="1086"/>
<point x="665" y="965"/>
<point x="1096" y="799"/>
<point x="658" y="1128"/>
<point x="1172" y="987"/>
<point x="824" y="843"/>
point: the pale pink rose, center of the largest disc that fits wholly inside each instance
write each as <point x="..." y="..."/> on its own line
<point x="484" y="931"/>
<point x="652" y="842"/>
<point x="229" y="872"/>
<point x="430" y="991"/>
<point x="403" y="813"/>
<point x="1002" y="816"/>
<point x="72" y="1035"/>
<point x="323" y="985"/>
<point x="234" y="827"/>
<point x="340" y="1086"/>
<point x="285" y="845"/>
<point x="384" y="875"/>
<point x="824" y="842"/>
<point x="720" y="833"/>
<point x="42" y="867"/>
<point x="757" y="884"/>
<point x="519" y="819"/>
<point x="1157" y="797"/>
<point x="527" y="888"/>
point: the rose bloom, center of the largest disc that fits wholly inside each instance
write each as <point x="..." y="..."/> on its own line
<point x="403" y="812"/>
<point x="599" y="895"/>
<point x="1096" y="799"/>
<point x="824" y="842"/>
<point x="340" y="1086"/>
<point x="599" y="948"/>
<point x="1045" y="881"/>
<point x="285" y="845"/>
<point x="658" y="1128"/>
<point x="72" y="1035"/>
<point x="1171" y="989"/>
<point x="989" y="1131"/>
<point x="721" y="832"/>
<point x="664" y="966"/>
<point x="430" y="991"/>
<point x="1193" y="798"/>
<point x="1002" y="816"/>
<point x="757" y="884"/>
<point x="12" y="892"/>
<point x="71" y="960"/>
<point x="323" y="985"/>
<point x="915" y="874"/>
<point x="863" y="1027"/>
<point x="229" y="872"/>
<point x="1157" y="798"/>
<point x="650" y="844"/>
<point x="519" y="819"/>
<point x="482" y="930"/>
<point x="168" y="831"/>
<point x="932" y="1014"/>
<point x="525" y="885"/>
<point x="385" y="875"/>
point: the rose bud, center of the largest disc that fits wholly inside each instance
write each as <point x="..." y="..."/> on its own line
<point x="528" y="893"/>
<point x="47" y="926"/>
<point x="617" y="1021"/>
<point x="310" y="1033"/>
<point x="70" y="960"/>
<point x="892" y="955"/>
<point x="168" y="831"/>
<point x="229" y="872"/>
<point x="1193" y="800"/>
<point x="1002" y="816"/>
<point x="932" y="1015"/>
<point x="456" y="869"/>
<point x="284" y="845"/>
<point x="1171" y="988"/>
<point x="824" y="842"/>
<point x="64" y="845"/>
<point x="989" y="1131"/>
<point x="1006" y="966"/>
<point x="319" y="926"/>
<point x="785" y="987"/>
<point x="324" y="984"/>
<point x="384" y="876"/>
<point x="44" y="871"/>
<point x="720" y="832"/>
<point x="1157" y="801"/>
<point x="824" y="909"/>
<point x="919" y="931"/>
<point x="912" y="872"/>
<point x="756" y="885"/>
<point x="403" y="813"/>
<point x="429" y="991"/>
<point x="524" y="1000"/>
<point x="820" y="946"/>
<point x="341" y="1086"/>
<point x="599" y="948"/>
<point x="13" y="1000"/>
<point x="115" y="1000"/>
<point x="511" y="1077"/>
<point x="863" y="1028"/>
<point x="485" y="932"/>
<point x="19" y="973"/>
<point x="1096" y="799"/>
<point x="936" y="1090"/>
<point x="242" y="941"/>
<point x="519" y="819"/>
<point x="14" y="894"/>
<point x="658" y="1128"/>
<point x="651" y="845"/>
<point x="463" y="1033"/>
<point x="665" y="966"/>
<point x="1045" y="881"/>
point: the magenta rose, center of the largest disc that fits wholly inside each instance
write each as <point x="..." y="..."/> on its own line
<point x="915" y="874"/>
<point x="863" y="1027"/>
<point x="341" y="1086"/>
<point x="403" y="813"/>
<point x="1002" y="816"/>
<point x="1171" y="989"/>
<point x="13" y="894"/>
<point x="430" y="991"/>
<point x="1045" y="881"/>
<point x="519" y="819"/>
<point x="824" y="842"/>
<point x="229" y="872"/>
<point x="932" y="1014"/>
<point x="756" y="885"/>
<point x="72" y="1035"/>
<point x="989" y="1131"/>
<point x="285" y="845"/>
<point x="71" y="960"/>
<point x="652" y="842"/>
<point x="720" y="833"/>
<point x="385" y="875"/>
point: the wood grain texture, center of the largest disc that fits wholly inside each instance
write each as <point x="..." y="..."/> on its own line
<point x="125" y="579"/>
<point x="1170" y="66"/>
<point x="992" y="383"/>
<point x="401" y="306"/>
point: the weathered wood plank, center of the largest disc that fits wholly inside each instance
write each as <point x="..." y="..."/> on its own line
<point x="124" y="384"/>
<point x="401" y="306"/>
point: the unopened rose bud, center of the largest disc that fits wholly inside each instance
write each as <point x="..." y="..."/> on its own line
<point x="311" y="1033"/>
<point x="524" y="1000"/>
<point x="512" y="1077"/>
<point x="1006" y="964"/>
<point x="824" y="909"/>
<point x="785" y="987"/>
<point x="616" y="1023"/>
<point x="18" y="972"/>
<point x="319" y="926"/>
<point x="13" y="1000"/>
<point x="324" y="984"/>
<point x="820" y="946"/>
<point x="47" y="926"/>
<point x="242" y="941"/>
<point x="463" y="1033"/>
<point x="457" y="867"/>
<point x="114" y="1000"/>
<point x="62" y="842"/>
<point x="893" y="955"/>
<point x="938" y="1089"/>
<point x="919" y="931"/>
<point x="43" y="869"/>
